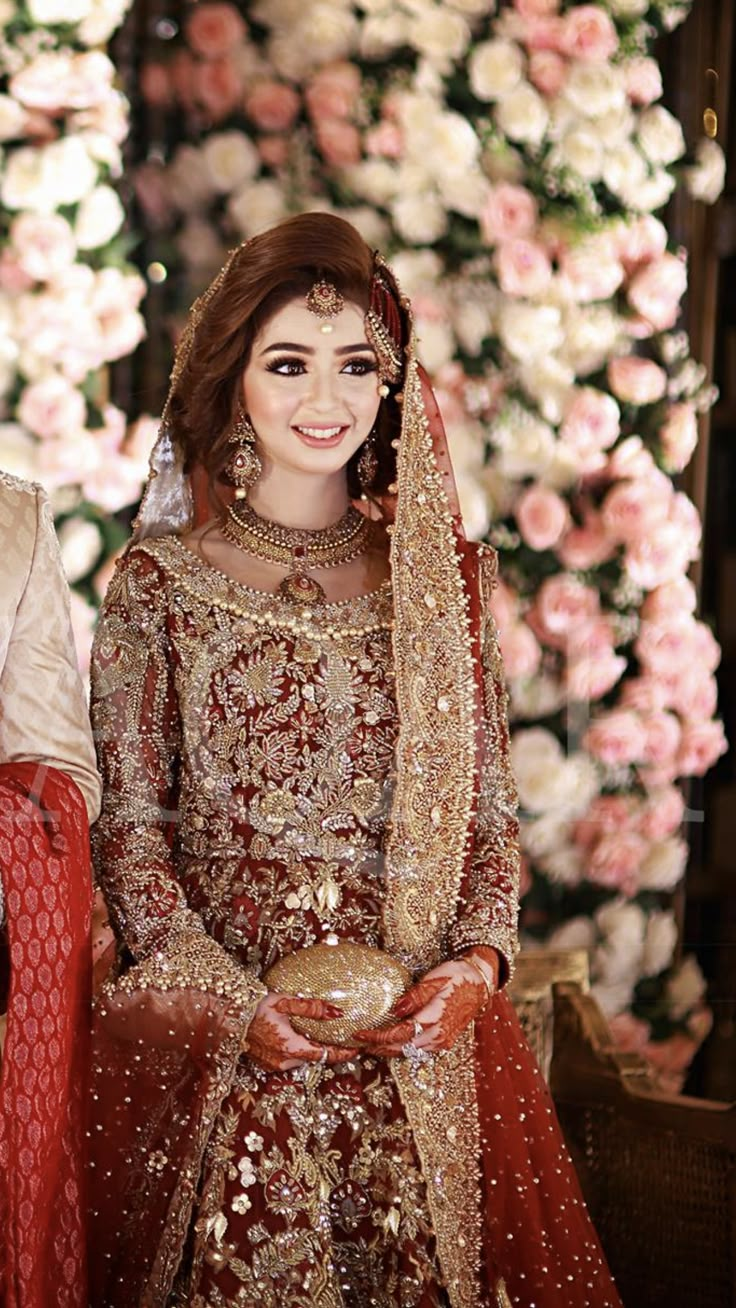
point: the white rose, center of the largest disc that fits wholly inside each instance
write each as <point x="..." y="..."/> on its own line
<point x="473" y="506"/>
<point x="466" y="192"/>
<point x="70" y="171"/>
<point x="524" y="444"/>
<point x="660" y="135"/>
<point x="321" y="33"/>
<point x="441" y="35"/>
<point x="548" y="381"/>
<point x="576" y="933"/>
<point x="664" y="864"/>
<point x="383" y="33"/>
<point x="529" y="331"/>
<point x="101" y="147"/>
<point x="49" y="13"/>
<point x="705" y="178"/>
<point x="102" y="20"/>
<point x="590" y="333"/>
<point x="199" y="244"/>
<point x="99" y="217"/>
<point x="473" y="323"/>
<point x="615" y="126"/>
<point x="619" y="955"/>
<point x="417" y="271"/>
<point x="500" y="491"/>
<point x="615" y="998"/>
<point x="24" y="183"/>
<point x="628" y="8"/>
<point x="419" y="217"/>
<point x="8" y="11"/>
<point x="474" y="8"/>
<point x="188" y="179"/>
<point x="18" y="451"/>
<point x="495" y="68"/>
<point x="12" y="118"/>
<point x="595" y="90"/>
<point x="545" y="834"/>
<point x="258" y="206"/>
<point x="624" y="168"/>
<point x="583" y="783"/>
<point x="685" y="989"/>
<point x="536" y="697"/>
<point x="563" y="867"/>
<point x="374" y="180"/>
<point x="372" y="226"/>
<point x="456" y="145"/>
<point x="231" y="159"/>
<point x="522" y="115"/>
<point x="659" y="943"/>
<point x="580" y="150"/>
<point x="651" y="194"/>
<point x="81" y="545"/>
<point x="436" y="343"/>
<point x="540" y="769"/>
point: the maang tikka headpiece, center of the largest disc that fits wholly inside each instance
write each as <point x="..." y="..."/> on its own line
<point x="325" y="301"/>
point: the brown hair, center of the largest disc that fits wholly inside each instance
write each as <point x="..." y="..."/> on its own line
<point x="264" y="275"/>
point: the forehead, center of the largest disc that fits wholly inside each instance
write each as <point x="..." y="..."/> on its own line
<point x="296" y="323"/>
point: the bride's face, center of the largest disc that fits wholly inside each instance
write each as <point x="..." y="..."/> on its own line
<point x="311" y="395"/>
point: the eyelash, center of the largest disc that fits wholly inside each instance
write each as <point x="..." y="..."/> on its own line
<point x="364" y="367"/>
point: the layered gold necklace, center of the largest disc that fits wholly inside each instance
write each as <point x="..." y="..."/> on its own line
<point x="296" y="548"/>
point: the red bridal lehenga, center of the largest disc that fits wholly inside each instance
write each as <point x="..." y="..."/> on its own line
<point x="45" y="873"/>
<point x="274" y="774"/>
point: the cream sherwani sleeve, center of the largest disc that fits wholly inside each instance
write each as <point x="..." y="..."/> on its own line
<point x="43" y="712"/>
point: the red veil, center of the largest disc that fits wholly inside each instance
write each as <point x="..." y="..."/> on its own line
<point x="507" y="1211"/>
<point x="45" y="869"/>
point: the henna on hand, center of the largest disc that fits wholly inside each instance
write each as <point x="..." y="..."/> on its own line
<point x="444" y="1002"/>
<point x="272" y="1041"/>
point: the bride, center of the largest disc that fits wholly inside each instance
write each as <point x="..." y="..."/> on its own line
<point x="310" y="1086"/>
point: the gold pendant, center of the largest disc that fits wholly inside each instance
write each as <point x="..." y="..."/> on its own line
<point x="298" y="588"/>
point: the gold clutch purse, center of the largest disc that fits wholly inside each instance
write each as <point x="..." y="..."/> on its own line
<point x="364" y="982"/>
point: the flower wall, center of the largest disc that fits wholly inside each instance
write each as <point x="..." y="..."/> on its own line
<point x="69" y="300"/>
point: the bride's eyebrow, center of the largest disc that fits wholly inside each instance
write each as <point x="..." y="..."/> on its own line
<point x="362" y="348"/>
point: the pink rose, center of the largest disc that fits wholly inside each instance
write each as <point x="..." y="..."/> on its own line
<point x="670" y="601"/>
<point x="536" y="8"/>
<point x="685" y="516"/>
<point x="671" y="1056"/>
<point x="616" y="738"/>
<point x="13" y="278"/>
<point x="660" y="557"/>
<point x="67" y="462"/>
<point x="213" y="29"/>
<point x="510" y="211"/>
<point x="504" y="604"/>
<point x="273" y="150"/>
<point x="338" y="141"/>
<point x="591" y="423"/>
<point x="642" y="693"/>
<point x="542" y="516"/>
<point x="562" y="605"/>
<point x="666" y="646"/>
<point x="334" y="91"/>
<point x="694" y="697"/>
<point x="523" y="267"/>
<point x="181" y="71"/>
<point x="44" y="244"/>
<point x="384" y="140"/>
<point x="156" y="86"/>
<point x="606" y="813"/>
<point x="537" y="31"/>
<point x="655" y="292"/>
<point x="643" y="80"/>
<point x="520" y="649"/>
<point x="590" y="676"/>
<point x="149" y="183"/>
<point x="115" y="484"/>
<point x="678" y="436"/>
<point x="586" y="546"/>
<point x="632" y="508"/>
<point x="630" y="459"/>
<point x="547" y="71"/>
<point x="615" y="861"/>
<point x="662" y="731"/>
<point x="662" y="814"/>
<point x="629" y="1032"/>
<point x="272" y="106"/>
<point x="52" y="407"/>
<point x="640" y="240"/>
<point x="588" y="33"/>
<point x="218" y="87"/>
<point x="635" y="380"/>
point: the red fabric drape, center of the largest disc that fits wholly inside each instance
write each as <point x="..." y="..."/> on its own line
<point x="45" y="869"/>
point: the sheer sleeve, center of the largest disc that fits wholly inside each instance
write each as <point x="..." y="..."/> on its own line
<point x="490" y="902"/>
<point x="135" y="715"/>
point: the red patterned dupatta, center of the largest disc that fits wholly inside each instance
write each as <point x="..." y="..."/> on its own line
<point x="45" y="869"/>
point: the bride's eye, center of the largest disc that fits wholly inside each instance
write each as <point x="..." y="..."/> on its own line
<point x="289" y="366"/>
<point x="359" y="367"/>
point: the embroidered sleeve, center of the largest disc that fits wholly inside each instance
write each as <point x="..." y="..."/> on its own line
<point x="490" y="905"/>
<point x="135" y="716"/>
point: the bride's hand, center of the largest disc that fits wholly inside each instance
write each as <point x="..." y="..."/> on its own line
<point x="438" y="1008"/>
<point x="273" y="1042"/>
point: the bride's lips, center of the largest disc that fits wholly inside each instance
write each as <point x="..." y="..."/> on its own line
<point x="308" y="434"/>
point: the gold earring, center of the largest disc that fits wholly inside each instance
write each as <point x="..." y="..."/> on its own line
<point x="244" y="466"/>
<point x="368" y="464"/>
<point x="383" y="390"/>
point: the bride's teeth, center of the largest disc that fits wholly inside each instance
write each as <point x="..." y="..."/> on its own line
<point x="321" y="433"/>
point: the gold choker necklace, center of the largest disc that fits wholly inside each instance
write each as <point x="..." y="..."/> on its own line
<point x="298" y="549"/>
